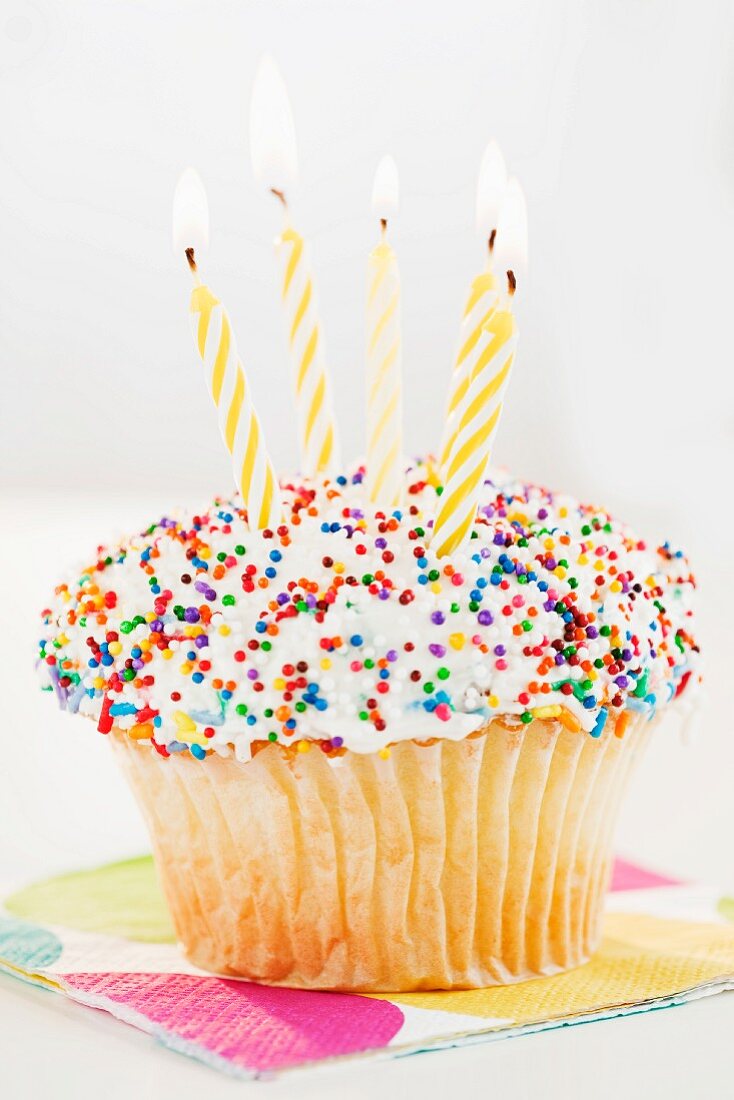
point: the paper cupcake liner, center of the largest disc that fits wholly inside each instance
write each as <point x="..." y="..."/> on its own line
<point x="446" y="865"/>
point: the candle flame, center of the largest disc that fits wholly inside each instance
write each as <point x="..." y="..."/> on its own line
<point x="190" y="213"/>
<point x="272" y="133"/>
<point x="511" y="250"/>
<point x="386" y="189"/>
<point x="491" y="187"/>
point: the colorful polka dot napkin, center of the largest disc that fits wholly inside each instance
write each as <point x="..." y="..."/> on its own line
<point x="104" y="939"/>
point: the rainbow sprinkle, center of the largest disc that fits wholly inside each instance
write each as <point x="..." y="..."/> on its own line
<point x="340" y="627"/>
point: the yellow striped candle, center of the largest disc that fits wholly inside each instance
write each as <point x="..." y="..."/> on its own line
<point x="494" y="354"/>
<point x="479" y="305"/>
<point x="384" y="355"/>
<point x="253" y="471"/>
<point x="482" y="298"/>
<point x="275" y="163"/>
<point x="469" y="458"/>
<point x="243" y="436"/>
<point x="316" y="424"/>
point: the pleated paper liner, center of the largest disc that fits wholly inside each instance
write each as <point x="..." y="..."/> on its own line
<point x="447" y="865"/>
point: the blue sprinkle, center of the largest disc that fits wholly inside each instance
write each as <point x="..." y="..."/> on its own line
<point x="270" y="572"/>
<point x="197" y="677"/>
<point x="275" y="555"/>
<point x="198" y="752"/>
<point x="600" y="722"/>
<point x="261" y="627"/>
<point x="356" y="639"/>
<point x="123" y="708"/>
<point x="251" y="719"/>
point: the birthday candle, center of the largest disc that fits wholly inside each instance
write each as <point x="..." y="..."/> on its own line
<point x="225" y="375"/>
<point x="273" y="146"/>
<point x="483" y="293"/>
<point x="384" y="352"/>
<point x="482" y="406"/>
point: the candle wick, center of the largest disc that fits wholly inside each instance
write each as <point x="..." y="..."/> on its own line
<point x="192" y="265"/>
<point x="383" y="227"/>
<point x="490" y="241"/>
<point x="511" y="283"/>
<point x="279" y="195"/>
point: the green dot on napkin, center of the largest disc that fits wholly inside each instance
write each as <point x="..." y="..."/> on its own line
<point x="119" y="899"/>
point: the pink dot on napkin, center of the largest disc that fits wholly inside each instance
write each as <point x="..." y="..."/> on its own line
<point x="254" y="1027"/>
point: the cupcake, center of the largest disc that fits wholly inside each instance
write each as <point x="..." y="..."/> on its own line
<point x="364" y="767"/>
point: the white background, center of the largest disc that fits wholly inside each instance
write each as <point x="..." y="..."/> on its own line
<point x="618" y="119"/>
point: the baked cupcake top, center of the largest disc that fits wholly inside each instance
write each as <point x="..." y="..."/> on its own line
<point x="341" y="626"/>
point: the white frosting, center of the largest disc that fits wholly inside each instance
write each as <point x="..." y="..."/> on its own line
<point x="459" y="649"/>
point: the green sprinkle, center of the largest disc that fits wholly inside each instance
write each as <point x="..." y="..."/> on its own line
<point x="228" y="601"/>
<point x="239" y="549"/>
<point x="443" y="674"/>
<point x="241" y="708"/>
<point x="272" y="736"/>
<point x="526" y="717"/>
<point x="429" y="688"/>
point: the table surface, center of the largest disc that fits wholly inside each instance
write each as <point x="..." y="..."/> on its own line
<point x="63" y="805"/>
